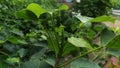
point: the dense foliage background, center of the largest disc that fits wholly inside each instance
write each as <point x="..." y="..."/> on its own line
<point x="93" y="8"/>
<point x="116" y="4"/>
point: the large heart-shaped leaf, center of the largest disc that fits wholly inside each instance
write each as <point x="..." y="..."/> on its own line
<point x="79" y="42"/>
<point x="36" y="9"/>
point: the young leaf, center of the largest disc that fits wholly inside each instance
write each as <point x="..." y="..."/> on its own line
<point x="36" y="9"/>
<point x="79" y="42"/>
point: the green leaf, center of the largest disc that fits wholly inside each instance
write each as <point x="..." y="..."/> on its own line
<point x="79" y="42"/>
<point x="39" y="54"/>
<point x="83" y="63"/>
<point x="83" y="19"/>
<point x="114" y="43"/>
<point x="63" y="7"/>
<point x="17" y="41"/>
<point x="26" y="14"/>
<point x="36" y="9"/>
<point x="21" y="41"/>
<point x="103" y="18"/>
<point x="13" y="60"/>
<point x="99" y="27"/>
<point x="18" y="32"/>
<point x="53" y="42"/>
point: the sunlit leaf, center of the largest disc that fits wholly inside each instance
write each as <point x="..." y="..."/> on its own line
<point x="36" y="9"/>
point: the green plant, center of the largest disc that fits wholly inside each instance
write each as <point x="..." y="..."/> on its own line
<point x="63" y="35"/>
<point x="37" y="37"/>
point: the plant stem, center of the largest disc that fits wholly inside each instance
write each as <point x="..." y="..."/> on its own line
<point x="75" y="58"/>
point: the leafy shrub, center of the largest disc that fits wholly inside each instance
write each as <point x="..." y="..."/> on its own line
<point x="42" y="38"/>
